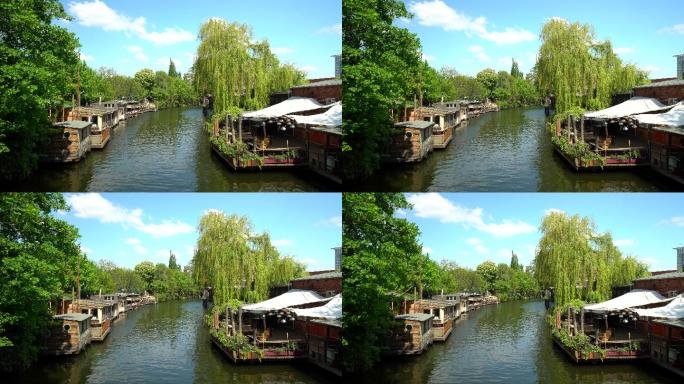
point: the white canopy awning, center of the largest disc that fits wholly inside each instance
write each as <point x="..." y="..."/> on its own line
<point x="633" y="106"/>
<point x="289" y="106"/>
<point x="330" y="118"/>
<point x="673" y="310"/>
<point x="332" y="310"/>
<point x="634" y="298"/>
<point x="673" y="118"/>
<point x="288" y="299"/>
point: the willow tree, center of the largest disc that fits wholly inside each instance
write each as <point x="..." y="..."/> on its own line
<point x="235" y="261"/>
<point x="579" y="70"/>
<point x="237" y="70"/>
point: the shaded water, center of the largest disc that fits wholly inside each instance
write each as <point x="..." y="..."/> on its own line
<point x="507" y="151"/>
<point x="163" y="343"/>
<point x="506" y="343"/>
<point x="162" y="151"/>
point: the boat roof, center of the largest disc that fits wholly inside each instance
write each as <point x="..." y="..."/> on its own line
<point x="73" y="316"/>
<point x="437" y="110"/>
<point x="76" y="124"/>
<point x="673" y="310"/>
<point x="679" y="323"/>
<point x="634" y="106"/>
<point x="330" y="118"/>
<point x="291" y="298"/>
<point x="95" y="110"/>
<point x="414" y="316"/>
<point x="417" y="124"/>
<point x="292" y="105"/>
<point x="330" y="322"/>
<point x="331" y="310"/>
<point x="634" y="298"/>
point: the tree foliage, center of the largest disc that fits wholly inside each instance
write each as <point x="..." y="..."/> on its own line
<point x="579" y="263"/>
<point x="237" y="70"/>
<point x="579" y="70"/>
<point x="236" y="262"/>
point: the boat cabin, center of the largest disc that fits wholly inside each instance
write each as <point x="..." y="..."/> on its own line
<point x="413" y="334"/>
<point x="667" y="344"/>
<point x="102" y="312"/>
<point x="445" y="119"/>
<point x="103" y="118"/>
<point x="412" y="142"/>
<point x="443" y="312"/>
<point x="324" y="341"/>
<point x="70" y="334"/>
<point x="69" y="141"/>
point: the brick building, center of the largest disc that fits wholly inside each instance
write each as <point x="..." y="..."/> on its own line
<point x="326" y="91"/>
<point x="326" y="283"/>
<point x="667" y="92"/>
<point x="668" y="284"/>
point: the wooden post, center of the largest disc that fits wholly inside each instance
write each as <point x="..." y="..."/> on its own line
<point x="569" y="317"/>
<point x="240" y="320"/>
<point x="227" y="317"/>
<point x="240" y="129"/>
<point x="582" y="312"/>
<point x="582" y="128"/>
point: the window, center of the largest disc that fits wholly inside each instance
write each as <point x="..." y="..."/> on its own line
<point x="66" y="327"/>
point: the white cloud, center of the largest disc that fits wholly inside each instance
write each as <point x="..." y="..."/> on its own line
<point x="335" y="221"/>
<point x="677" y="28"/>
<point x="438" y="14"/>
<point x="308" y="261"/>
<point x="282" y="243"/>
<point x="624" y="50"/>
<point x="677" y="221"/>
<point x="427" y="250"/>
<point x="404" y="20"/>
<point x="86" y="250"/>
<point x="478" y="246"/>
<point x="553" y="210"/>
<point x="87" y="58"/>
<point x="138" y="53"/>
<point x="332" y="29"/>
<point x="136" y="245"/>
<point x="435" y="206"/>
<point x="98" y="14"/>
<point x="623" y="242"/>
<point x="651" y="68"/>
<point x="479" y="53"/>
<point x="94" y="206"/>
<point x="427" y="57"/>
<point x="282" y="50"/>
<point x="307" y="68"/>
<point x="164" y="62"/>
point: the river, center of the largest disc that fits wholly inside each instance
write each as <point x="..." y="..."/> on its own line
<point x="507" y="151"/>
<point x="506" y="343"/>
<point x="163" y="343"/>
<point x="164" y="151"/>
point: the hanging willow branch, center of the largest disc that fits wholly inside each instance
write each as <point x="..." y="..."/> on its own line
<point x="237" y="71"/>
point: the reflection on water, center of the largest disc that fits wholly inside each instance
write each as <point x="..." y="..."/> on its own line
<point x="507" y="151"/>
<point x="506" y="343"/>
<point x="162" y="151"/>
<point x="163" y="343"/>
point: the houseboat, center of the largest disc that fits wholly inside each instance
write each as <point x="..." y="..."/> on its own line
<point x="70" y="141"/>
<point x="267" y="138"/>
<point x="667" y="344"/>
<point x="102" y="313"/>
<point x="132" y="301"/>
<point x="103" y="119"/>
<point x="323" y="141"/>
<point x="322" y="326"/>
<point x="664" y="133"/>
<point x="412" y="142"/>
<point x="118" y="299"/>
<point x="455" y="299"/>
<point x="70" y="334"/>
<point x="443" y="312"/>
<point x="445" y="119"/>
<point x="413" y="334"/>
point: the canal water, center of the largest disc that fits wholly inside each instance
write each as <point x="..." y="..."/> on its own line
<point x="163" y="343"/>
<point x="506" y="343"/>
<point x="162" y="151"/>
<point x="507" y="151"/>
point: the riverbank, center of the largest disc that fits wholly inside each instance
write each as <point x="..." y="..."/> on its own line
<point x="509" y="151"/>
<point x="505" y="343"/>
<point x="166" y="150"/>
<point x="163" y="343"/>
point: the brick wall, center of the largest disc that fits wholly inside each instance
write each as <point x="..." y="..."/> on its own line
<point x="321" y="286"/>
<point x="661" y="93"/>
<point x="661" y="285"/>
<point x="322" y="94"/>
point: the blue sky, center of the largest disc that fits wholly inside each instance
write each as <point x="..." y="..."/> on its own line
<point x="128" y="228"/>
<point x="129" y="35"/>
<point x="470" y="228"/>
<point x="473" y="35"/>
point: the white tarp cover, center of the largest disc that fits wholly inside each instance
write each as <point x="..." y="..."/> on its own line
<point x="633" y="106"/>
<point x="331" y="310"/>
<point x="288" y="299"/>
<point x="634" y="298"/>
<point x="674" y="117"/>
<point x="330" y="118"/>
<point x="291" y="105"/>
<point x="674" y="310"/>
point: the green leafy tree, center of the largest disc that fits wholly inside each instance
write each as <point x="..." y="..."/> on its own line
<point x="146" y="79"/>
<point x="146" y="270"/>
<point x="514" y="262"/>
<point x="172" y="69"/>
<point x="37" y="63"/>
<point x="489" y="80"/>
<point x="515" y="71"/>
<point x="489" y="272"/>
<point x="172" y="262"/>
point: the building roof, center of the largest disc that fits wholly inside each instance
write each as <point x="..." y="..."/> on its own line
<point x="292" y="105"/>
<point x="331" y="322"/>
<point x="77" y="124"/>
<point x="635" y="105"/>
<point x="673" y="310"/>
<point x="634" y="298"/>
<point x="73" y="316"/>
<point x="679" y="323"/>
<point x="326" y="275"/>
<point x="331" y="310"/>
<point x="94" y="110"/>
<point x="437" y="110"/>
<point x="330" y="118"/>
<point x="666" y="83"/>
<point x="322" y="83"/>
<point x="417" y="124"/>
<point x="674" y="118"/>
<point x="290" y="298"/>
<point x="414" y="316"/>
<point x="670" y="275"/>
